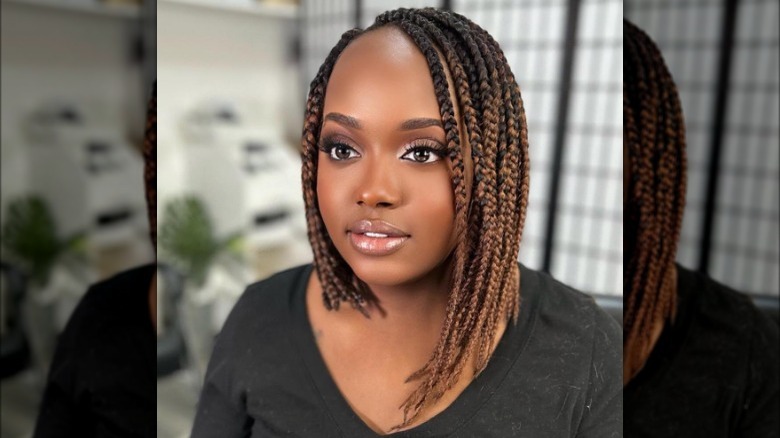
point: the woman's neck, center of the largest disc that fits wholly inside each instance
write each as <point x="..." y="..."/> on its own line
<point x="414" y="301"/>
<point x="406" y="319"/>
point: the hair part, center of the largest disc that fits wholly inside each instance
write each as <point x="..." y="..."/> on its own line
<point x="654" y="135"/>
<point x="489" y="212"/>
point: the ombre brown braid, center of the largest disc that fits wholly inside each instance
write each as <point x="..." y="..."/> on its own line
<point x="150" y="165"/>
<point x="490" y="202"/>
<point x="654" y="135"/>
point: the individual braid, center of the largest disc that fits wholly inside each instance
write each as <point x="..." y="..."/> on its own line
<point x="489" y="217"/>
<point x="338" y="281"/>
<point x="654" y="135"/>
<point x="149" y="153"/>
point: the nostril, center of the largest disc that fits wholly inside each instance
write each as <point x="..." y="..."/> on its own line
<point x="381" y="204"/>
<point x="377" y="198"/>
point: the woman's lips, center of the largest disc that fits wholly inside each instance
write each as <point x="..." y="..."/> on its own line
<point x="370" y="244"/>
<point x="375" y="237"/>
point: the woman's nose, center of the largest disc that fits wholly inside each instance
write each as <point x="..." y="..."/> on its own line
<point x="379" y="186"/>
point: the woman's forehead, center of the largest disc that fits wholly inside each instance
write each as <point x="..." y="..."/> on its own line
<point x="382" y="75"/>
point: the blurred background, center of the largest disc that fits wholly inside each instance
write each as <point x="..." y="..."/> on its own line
<point x="723" y="56"/>
<point x="233" y="78"/>
<point x="75" y="81"/>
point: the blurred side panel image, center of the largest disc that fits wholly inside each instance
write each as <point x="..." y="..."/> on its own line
<point x="77" y="301"/>
<point x="702" y="189"/>
<point x="230" y="199"/>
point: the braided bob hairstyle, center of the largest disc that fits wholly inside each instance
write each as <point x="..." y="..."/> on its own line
<point x="490" y="202"/>
<point x="654" y="138"/>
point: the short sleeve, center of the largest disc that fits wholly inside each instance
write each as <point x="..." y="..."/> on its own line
<point x="603" y="412"/>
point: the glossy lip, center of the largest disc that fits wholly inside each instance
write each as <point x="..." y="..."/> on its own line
<point x="374" y="237"/>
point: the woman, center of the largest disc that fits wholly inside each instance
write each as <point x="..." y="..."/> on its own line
<point x="410" y="320"/>
<point x="102" y="379"/>
<point x="699" y="359"/>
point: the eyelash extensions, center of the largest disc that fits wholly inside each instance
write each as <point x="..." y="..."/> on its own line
<point x="425" y="145"/>
<point x="329" y="146"/>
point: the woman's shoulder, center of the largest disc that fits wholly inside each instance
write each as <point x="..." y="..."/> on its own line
<point x="114" y="292"/>
<point x="567" y="359"/>
<point x="564" y="306"/>
<point x="266" y="306"/>
<point x="110" y="304"/>
<point x="722" y="319"/>
<point x="258" y="327"/>
<point x="568" y="323"/>
<point x="272" y="298"/>
<point x="715" y="299"/>
<point x="709" y="304"/>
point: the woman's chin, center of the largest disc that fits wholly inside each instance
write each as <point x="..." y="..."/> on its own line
<point x="385" y="272"/>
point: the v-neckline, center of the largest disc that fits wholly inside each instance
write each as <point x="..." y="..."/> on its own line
<point x="446" y="422"/>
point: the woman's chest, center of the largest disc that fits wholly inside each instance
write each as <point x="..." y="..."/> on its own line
<point x="374" y="382"/>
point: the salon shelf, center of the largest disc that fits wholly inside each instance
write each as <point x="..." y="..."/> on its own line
<point x="96" y="8"/>
<point x="270" y="10"/>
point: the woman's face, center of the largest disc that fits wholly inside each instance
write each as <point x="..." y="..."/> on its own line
<point x="383" y="182"/>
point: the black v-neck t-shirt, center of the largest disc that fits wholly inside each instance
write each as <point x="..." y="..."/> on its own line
<point x="102" y="380"/>
<point x="556" y="373"/>
<point x="712" y="374"/>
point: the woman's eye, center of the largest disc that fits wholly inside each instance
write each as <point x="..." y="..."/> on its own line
<point x="422" y="155"/>
<point x="342" y="152"/>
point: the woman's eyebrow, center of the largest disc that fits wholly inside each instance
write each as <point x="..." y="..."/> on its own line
<point x="408" y="125"/>
<point x="342" y="119"/>
<point x="412" y="124"/>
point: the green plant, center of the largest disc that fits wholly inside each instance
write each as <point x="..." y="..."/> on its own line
<point x="29" y="235"/>
<point x="187" y="237"/>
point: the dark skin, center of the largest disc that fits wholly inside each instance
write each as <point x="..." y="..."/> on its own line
<point x="390" y="167"/>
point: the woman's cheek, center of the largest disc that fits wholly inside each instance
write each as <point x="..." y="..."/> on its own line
<point x="435" y="202"/>
<point x="329" y="188"/>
